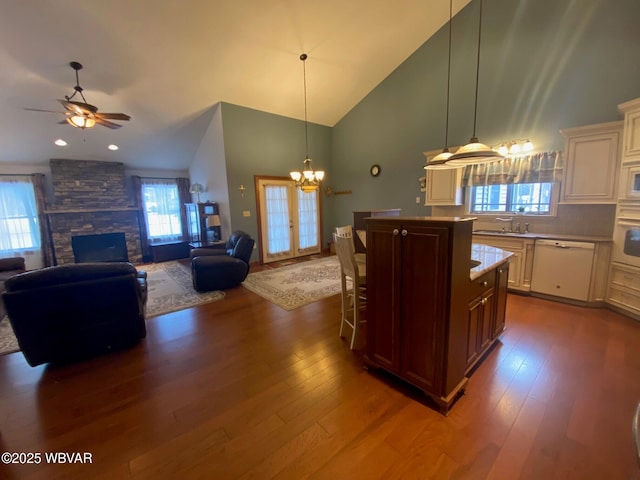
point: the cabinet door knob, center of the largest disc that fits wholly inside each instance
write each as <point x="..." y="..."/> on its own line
<point x="485" y="284"/>
<point x="404" y="233"/>
<point x="396" y="231"/>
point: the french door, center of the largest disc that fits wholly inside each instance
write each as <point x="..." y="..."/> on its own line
<point x="289" y="220"/>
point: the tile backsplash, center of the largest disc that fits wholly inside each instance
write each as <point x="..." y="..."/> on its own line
<point x="570" y="219"/>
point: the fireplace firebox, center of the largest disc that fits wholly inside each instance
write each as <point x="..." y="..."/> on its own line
<point x="105" y="247"/>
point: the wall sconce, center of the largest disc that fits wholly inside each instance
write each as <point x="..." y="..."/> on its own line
<point x="514" y="148"/>
<point x="242" y="188"/>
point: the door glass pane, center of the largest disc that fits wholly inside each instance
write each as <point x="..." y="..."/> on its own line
<point x="277" y="208"/>
<point x="307" y="219"/>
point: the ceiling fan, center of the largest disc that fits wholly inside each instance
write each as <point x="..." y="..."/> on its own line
<point x="82" y="114"/>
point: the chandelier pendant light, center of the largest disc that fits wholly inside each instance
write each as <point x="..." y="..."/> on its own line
<point x="475" y="152"/>
<point x="308" y="180"/>
<point x="439" y="162"/>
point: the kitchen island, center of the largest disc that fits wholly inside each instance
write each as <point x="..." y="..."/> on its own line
<point x="432" y="313"/>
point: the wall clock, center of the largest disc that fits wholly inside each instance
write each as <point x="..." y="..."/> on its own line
<point x="375" y="170"/>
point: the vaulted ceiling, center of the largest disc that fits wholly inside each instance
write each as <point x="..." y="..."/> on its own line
<point x="167" y="63"/>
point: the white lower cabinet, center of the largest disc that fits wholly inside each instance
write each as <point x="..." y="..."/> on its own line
<point x="521" y="264"/>
<point x="624" y="288"/>
<point x="521" y="267"/>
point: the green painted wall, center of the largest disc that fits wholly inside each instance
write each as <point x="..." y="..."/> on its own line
<point x="545" y="65"/>
<point x="259" y="143"/>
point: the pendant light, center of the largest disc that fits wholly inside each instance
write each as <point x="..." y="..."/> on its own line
<point x="475" y="152"/>
<point x="439" y="162"/>
<point x="308" y="180"/>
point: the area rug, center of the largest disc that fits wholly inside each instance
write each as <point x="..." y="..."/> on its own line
<point x="170" y="289"/>
<point x="296" y="285"/>
<point x="8" y="341"/>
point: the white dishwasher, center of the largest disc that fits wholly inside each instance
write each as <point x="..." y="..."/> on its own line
<point x="562" y="269"/>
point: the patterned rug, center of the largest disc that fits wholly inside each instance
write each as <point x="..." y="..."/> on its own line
<point x="299" y="284"/>
<point x="170" y="289"/>
<point x="8" y="342"/>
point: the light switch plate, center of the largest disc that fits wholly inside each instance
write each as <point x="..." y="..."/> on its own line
<point x="246" y="213"/>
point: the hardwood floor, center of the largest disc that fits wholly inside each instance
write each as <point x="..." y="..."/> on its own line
<point x="243" y="389"/>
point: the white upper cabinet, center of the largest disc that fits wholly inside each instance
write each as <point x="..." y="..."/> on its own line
<point x="592" y="163"/>
<point x="443" y="187"/>
<point x="631" y="142"/>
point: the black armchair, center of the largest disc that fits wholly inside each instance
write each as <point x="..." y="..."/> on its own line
<point x="219" y="269"/>
<point x="75" y="311"/>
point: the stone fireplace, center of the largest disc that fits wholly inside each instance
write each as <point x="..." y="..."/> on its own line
<point x="90" y="198"/>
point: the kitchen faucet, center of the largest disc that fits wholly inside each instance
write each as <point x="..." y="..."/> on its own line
<point x="510" y="220"/>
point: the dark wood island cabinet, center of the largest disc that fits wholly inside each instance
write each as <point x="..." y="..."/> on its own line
<point x="431" y="314"/>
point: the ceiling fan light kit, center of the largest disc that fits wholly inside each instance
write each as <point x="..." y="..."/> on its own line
<point x="82" y="114"/>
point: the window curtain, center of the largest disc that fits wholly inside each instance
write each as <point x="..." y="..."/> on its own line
<point x="307" y="219"/>
<point x="40" y="190"/>
<point x="162" y="209"/>
<point x="277" y="208"/>
<point x="19" y="221"/>
<point x="142" y="221"/>
<point x="185" y="197"/>
<point x="537" y="168"/>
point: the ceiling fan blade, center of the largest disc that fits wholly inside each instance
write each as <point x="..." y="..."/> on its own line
<point x="78" y="107"/>
<point x="113" y="116"/>
<point x="48" y="111"/>
<point x="107" y="123"/>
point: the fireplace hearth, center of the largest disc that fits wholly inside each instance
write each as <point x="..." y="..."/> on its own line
<point x="105" y="247"/>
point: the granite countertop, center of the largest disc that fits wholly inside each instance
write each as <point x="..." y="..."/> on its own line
<point x="489" y="258"/>
<point x="551" y="236"/>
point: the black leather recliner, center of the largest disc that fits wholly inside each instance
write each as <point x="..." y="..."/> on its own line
<point x="219" y="269"/>
<point x="70" y="312"/>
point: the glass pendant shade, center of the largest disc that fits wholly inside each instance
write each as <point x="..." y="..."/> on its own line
<point x="440" y="161"/>
<point x="473" y="153"/>
<point x="528" y="146"/>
